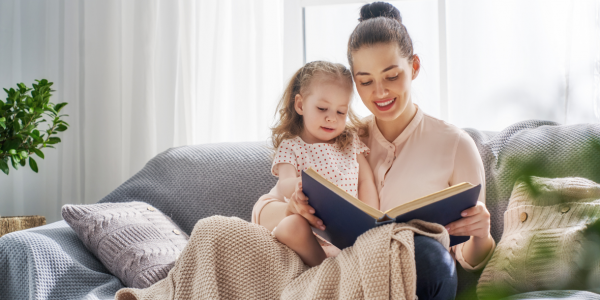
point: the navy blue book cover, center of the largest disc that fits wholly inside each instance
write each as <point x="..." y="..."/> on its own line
<point x="344" y="222"/>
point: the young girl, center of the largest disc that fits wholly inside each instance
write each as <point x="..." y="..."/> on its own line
<point x="312" y="132"/>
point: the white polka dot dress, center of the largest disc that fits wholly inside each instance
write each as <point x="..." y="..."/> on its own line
<point x="337" y="165"/>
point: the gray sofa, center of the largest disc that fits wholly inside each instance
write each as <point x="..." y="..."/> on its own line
<point x="192" y="182"/>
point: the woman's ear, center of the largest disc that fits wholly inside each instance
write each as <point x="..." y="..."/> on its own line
<point x="298" y="104"/>
<point x="416" y="66"/>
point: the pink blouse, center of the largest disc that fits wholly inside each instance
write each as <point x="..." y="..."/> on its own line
<point x="428" y="156"/>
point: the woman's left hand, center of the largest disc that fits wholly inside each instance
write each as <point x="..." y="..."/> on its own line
<point x="475" y="222"/>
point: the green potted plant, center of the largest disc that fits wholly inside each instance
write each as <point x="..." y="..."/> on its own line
<point x="20" y="115"/>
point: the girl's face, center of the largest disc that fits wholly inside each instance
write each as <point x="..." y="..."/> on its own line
<point x="323" y="108"/>
<point x="383" y="79"/>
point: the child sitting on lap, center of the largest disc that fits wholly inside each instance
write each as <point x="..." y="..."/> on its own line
<point x="312" y="132"/>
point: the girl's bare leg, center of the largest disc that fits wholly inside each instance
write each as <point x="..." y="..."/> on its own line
<point x="294" y="231"/>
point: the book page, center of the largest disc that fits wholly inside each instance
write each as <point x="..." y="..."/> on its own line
<point x="426" y="200"/>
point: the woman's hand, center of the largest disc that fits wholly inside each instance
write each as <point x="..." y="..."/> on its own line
<point x="475" y="222"/>
<point x="298" y="204"/>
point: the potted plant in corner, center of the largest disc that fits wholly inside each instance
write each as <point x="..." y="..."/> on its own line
<point x="20" y="115"/>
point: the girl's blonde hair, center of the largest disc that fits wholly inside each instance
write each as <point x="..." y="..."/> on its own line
<point x="291" y="123"/>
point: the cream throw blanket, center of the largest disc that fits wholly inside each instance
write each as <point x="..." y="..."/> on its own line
<point x="229" y="258"/>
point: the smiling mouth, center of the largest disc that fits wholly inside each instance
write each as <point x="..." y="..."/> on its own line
<point x="327" y="129"/>
<point x="385" y="103"/>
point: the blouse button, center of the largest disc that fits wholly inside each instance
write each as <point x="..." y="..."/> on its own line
<point x="150" y="208"/>
<point x="523" y="216"/>
<point x="565" y="209"/>
<point x="175" y="231"/>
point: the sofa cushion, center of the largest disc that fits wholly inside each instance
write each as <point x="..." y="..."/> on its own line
<point x="544" y="235"/>
<point x="533" y="147"/>
<point x="189" y="183"/>
<point x="135" y="241"/>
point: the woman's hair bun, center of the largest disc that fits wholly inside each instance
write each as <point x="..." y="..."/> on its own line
<point x="379" y="9"/>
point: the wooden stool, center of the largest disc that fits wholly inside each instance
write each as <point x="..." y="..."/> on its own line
<point x="11" y="224"/>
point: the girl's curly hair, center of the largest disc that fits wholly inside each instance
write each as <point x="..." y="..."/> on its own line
<point x="291" y="124"/>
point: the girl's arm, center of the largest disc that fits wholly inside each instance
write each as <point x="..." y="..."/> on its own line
<point x="269" y="211"/>
<point x="367" y="191"/>
<point x="290" y="186"/>
<point x="287" y="179"/>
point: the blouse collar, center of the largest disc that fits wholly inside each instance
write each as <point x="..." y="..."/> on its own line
<point x="410" y="128"/>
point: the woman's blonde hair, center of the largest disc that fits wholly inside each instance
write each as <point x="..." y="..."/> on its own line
<point x="291" y="124"/>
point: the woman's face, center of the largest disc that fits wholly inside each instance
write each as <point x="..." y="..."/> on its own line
<point x="383" y="79"/>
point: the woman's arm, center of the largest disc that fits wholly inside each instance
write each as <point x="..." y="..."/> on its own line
<point x="367" y="191"/>
<point x="475" y="223"/>
<point x="468" y="167"/>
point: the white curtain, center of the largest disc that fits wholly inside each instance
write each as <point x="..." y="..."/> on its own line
<point x="140" y="77"/>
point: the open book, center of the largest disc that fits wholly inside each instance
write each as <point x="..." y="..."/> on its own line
<point x="345" y="217"/>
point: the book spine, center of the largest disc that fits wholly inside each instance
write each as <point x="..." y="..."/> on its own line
<point x="384" y="220"/>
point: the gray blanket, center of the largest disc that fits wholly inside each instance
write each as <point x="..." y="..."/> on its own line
<point x="192" y="182"/>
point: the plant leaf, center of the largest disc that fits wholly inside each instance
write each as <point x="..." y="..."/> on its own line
<point x="59" y="106"/>
<point x="23" y="154"/>
<point x="14" y="160"/>
<point x="4" y="167"/>
<point x="33" y="164"/>
<point x="50" y="109"/>
<point x="61" y="128"/>
<point x="53" y="140"/>
<point x="38" y="152"/>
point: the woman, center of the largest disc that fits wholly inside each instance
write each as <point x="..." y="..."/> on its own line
<point x="412" y="154"/>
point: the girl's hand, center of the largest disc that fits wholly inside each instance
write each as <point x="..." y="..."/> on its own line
<point x="298" y="204"/>
<point x="475" y="222"/>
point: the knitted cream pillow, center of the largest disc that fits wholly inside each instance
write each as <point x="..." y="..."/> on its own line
<point x="541" y="246"/>
<point x="135" y="242"/>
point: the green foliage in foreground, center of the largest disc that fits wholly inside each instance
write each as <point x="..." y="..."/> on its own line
<point x="20" y="115"/>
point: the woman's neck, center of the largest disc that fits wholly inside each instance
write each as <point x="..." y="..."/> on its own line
<point x="393" y="128"/>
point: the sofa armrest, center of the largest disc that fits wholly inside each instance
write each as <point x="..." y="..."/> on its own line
<point x="50" y="262"/>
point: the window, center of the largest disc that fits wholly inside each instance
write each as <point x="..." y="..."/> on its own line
<point x="485" y="64"/>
